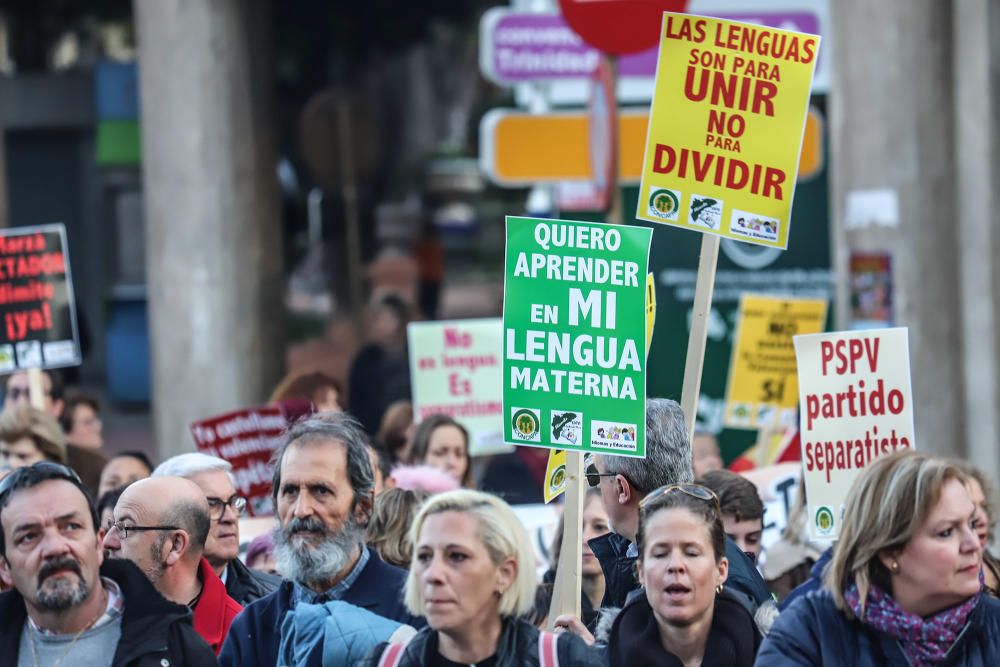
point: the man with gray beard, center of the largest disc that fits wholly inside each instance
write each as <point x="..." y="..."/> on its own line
<point x="66" y="600"/>
<point x="323" y="495"/>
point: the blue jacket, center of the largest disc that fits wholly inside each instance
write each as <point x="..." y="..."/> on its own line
<point x="744" y="582"/>
<point x="254" y="635"/>
<point x="813" y="583"/>
<point x="814" y="633"/>
<point x="332" y="633"/>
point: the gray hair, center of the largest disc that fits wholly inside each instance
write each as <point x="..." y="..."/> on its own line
<point x="668" y="450"/>
<point x="191" y="464"/>
<point x="331" y="427"/>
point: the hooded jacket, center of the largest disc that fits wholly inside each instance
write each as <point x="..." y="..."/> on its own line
<point x="245" y="585"/>
<point x="814" y="633"/>
<point x="155" y="631"/>
<point x="333" y="633"/>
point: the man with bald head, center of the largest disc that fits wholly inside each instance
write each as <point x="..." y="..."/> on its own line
<point x="161" y="525"/>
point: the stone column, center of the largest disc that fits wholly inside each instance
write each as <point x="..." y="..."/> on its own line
<point x="212" y="210"/>
<point x="893" y="127"/>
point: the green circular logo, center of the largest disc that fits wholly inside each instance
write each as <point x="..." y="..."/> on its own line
<point x="664" y="203"/>
<point x="525" y="424"/>
<point x="558" y="477"/>
<point x="824" y="520"/>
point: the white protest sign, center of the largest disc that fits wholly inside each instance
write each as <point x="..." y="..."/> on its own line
<point x="855" y="403"/>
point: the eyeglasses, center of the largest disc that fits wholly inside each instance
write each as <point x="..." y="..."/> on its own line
<point x="694" y="490"/>
<point x="217" y="506"/>
<point x="594" y="476"/>
<point x="45" y="469"/>
<point x="124" y="530"/>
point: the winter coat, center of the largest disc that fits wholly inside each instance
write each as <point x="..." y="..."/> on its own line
<point x="215" y="610"/>
<point x="155" y="631"/>
<point x="245" y="585"/>
<point x="733" y="640"/>
<point x="814" y="633"/>
<point x="813" y="583"/>
<point x="518" y="647"/>
<point x="332" y="633"/>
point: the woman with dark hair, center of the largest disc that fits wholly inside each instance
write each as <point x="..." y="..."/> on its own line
<point x="685" y="617"/>
<point x="443" y="443"/>
<point x="904" y="586"/>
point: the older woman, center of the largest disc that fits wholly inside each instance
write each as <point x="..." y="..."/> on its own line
<point x="443" y="443"/>
<point x="472" y="578"/>
<point x="685" y="617"/>
<point x="903" y="587"/>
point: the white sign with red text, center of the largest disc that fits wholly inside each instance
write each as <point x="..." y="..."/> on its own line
<point x="455" y="370"/>
<point x="855" y="405"/>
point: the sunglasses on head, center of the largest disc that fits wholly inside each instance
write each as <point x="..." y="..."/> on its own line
<point x="47" y="469"/>
<point x="694" y="490"/>
<point x="594" y="476"/>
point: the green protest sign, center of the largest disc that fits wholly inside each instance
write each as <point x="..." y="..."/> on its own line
<point x="574" y="345"/>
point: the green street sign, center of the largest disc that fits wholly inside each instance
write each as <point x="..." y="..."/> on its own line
<point x="574" y="336"/>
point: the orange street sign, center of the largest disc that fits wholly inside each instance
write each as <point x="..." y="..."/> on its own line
<point x="517" y="148"/>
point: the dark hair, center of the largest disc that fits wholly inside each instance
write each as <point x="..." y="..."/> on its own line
<point x="33" y="475"/>
<point x="57" y="386"/>
<point x="539" y="613"/>
<point x="137" y="455"/>
<point x="192" y="518"/>
<point x="706" y="510"/>
<point x="392" y="431"/>
<point x="399" y="308"/>
<point x="737" y="495"/>
<point x="422" y="442"/>
<point x="109" y="499"/>
<point x="383" y="458"/>
<point x="73" y="401"/>
<point x="336" y="427"/>
<point x="306" y="386"/>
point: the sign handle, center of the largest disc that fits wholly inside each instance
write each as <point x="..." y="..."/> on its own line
<point x="765" y="434"/>
<point x="704" y="286"/>
<point x="36" y="390"/>
<point x="615" y="215"/>
<point x="567" y="586"/>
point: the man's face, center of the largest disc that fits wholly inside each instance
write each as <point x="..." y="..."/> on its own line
<point x="19" y="393"/>
<point x="145" y="548"/>
<point x="746" y="534"/>
<point x="223" y="543"/>
<point x="52" y="554"/>
<point x="321" y="526"/>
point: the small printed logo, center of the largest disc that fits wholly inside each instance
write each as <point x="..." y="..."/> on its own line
<point x="59" y="352"/>
<point x="557" y="480"/>
<point x="754" y="226"/>
<point x="526" y="425"/>
<point x="739" y="414"/>
<point x="29" y="353"/>
<point x="567" y="426"/>
<point x="824" y="520"/>
<point x="613" y="435"/>
<point x="7" y="362"/>
<point x="766" y="414"/>
<point x="664" y="204"/>
<point x="705" y="211"/>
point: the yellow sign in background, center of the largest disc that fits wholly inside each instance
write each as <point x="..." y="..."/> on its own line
<point x="763" y="388"/>
<point x="726" y="127"/>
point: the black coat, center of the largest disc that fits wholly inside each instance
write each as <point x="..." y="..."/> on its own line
<point x="155" y="631"/>
<point x="733" y="640"/>
<point x="518" y="647"/>
<point x="245" y="585"/>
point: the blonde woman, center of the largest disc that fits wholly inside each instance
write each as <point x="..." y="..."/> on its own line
<point x="388" y="530"/>
<point x="903" y="587"/>
<point x="472" y="578"/>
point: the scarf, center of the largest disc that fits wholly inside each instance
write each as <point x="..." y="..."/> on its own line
<point x="925" y="641"/>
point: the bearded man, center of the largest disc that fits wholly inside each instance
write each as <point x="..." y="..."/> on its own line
<point x="323" y="495"/>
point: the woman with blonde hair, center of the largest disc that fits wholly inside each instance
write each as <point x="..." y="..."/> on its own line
<point x="388" y="529"/>
<point x="472" y="578"/>
<point x="904" y="586"/>
<point x="29" y="435"/>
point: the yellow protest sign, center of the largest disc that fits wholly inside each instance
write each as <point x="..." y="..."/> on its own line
<point x="763" y="384"/>
<point x="726" y="125"/>
<point x="555" y="475"/>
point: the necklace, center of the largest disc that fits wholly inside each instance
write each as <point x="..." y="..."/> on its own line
<point x="34" y="650"/>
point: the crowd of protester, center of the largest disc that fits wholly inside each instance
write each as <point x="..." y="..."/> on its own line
<point x="389" y="550"/>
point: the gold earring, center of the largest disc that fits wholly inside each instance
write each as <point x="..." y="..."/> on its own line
<point x="719" y="588"/>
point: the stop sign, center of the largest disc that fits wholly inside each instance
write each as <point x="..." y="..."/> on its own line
<point x="618" y="27"/>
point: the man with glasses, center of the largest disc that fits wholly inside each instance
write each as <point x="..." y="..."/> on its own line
<point x="625" y="481"/>
<point x="160" y="524"/>
<point x="66" y="598"/>
<point x="222" y="549"/>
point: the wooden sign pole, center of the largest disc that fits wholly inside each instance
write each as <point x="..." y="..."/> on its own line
<point x="36" y="388"/>
<point x="704" y="286"/>
<point x="569" y="575"/>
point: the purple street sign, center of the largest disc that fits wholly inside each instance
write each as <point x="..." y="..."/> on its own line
<point x="520" y="47"/>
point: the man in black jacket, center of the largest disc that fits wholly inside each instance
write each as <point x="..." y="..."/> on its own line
<point x="214" y="476"/>
<point x="65" y="598"/>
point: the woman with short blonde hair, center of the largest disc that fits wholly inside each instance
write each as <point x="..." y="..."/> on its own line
<point x="29" y="435"/>
<point x="904" y="585"/>
<point x="472" y="578"/>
